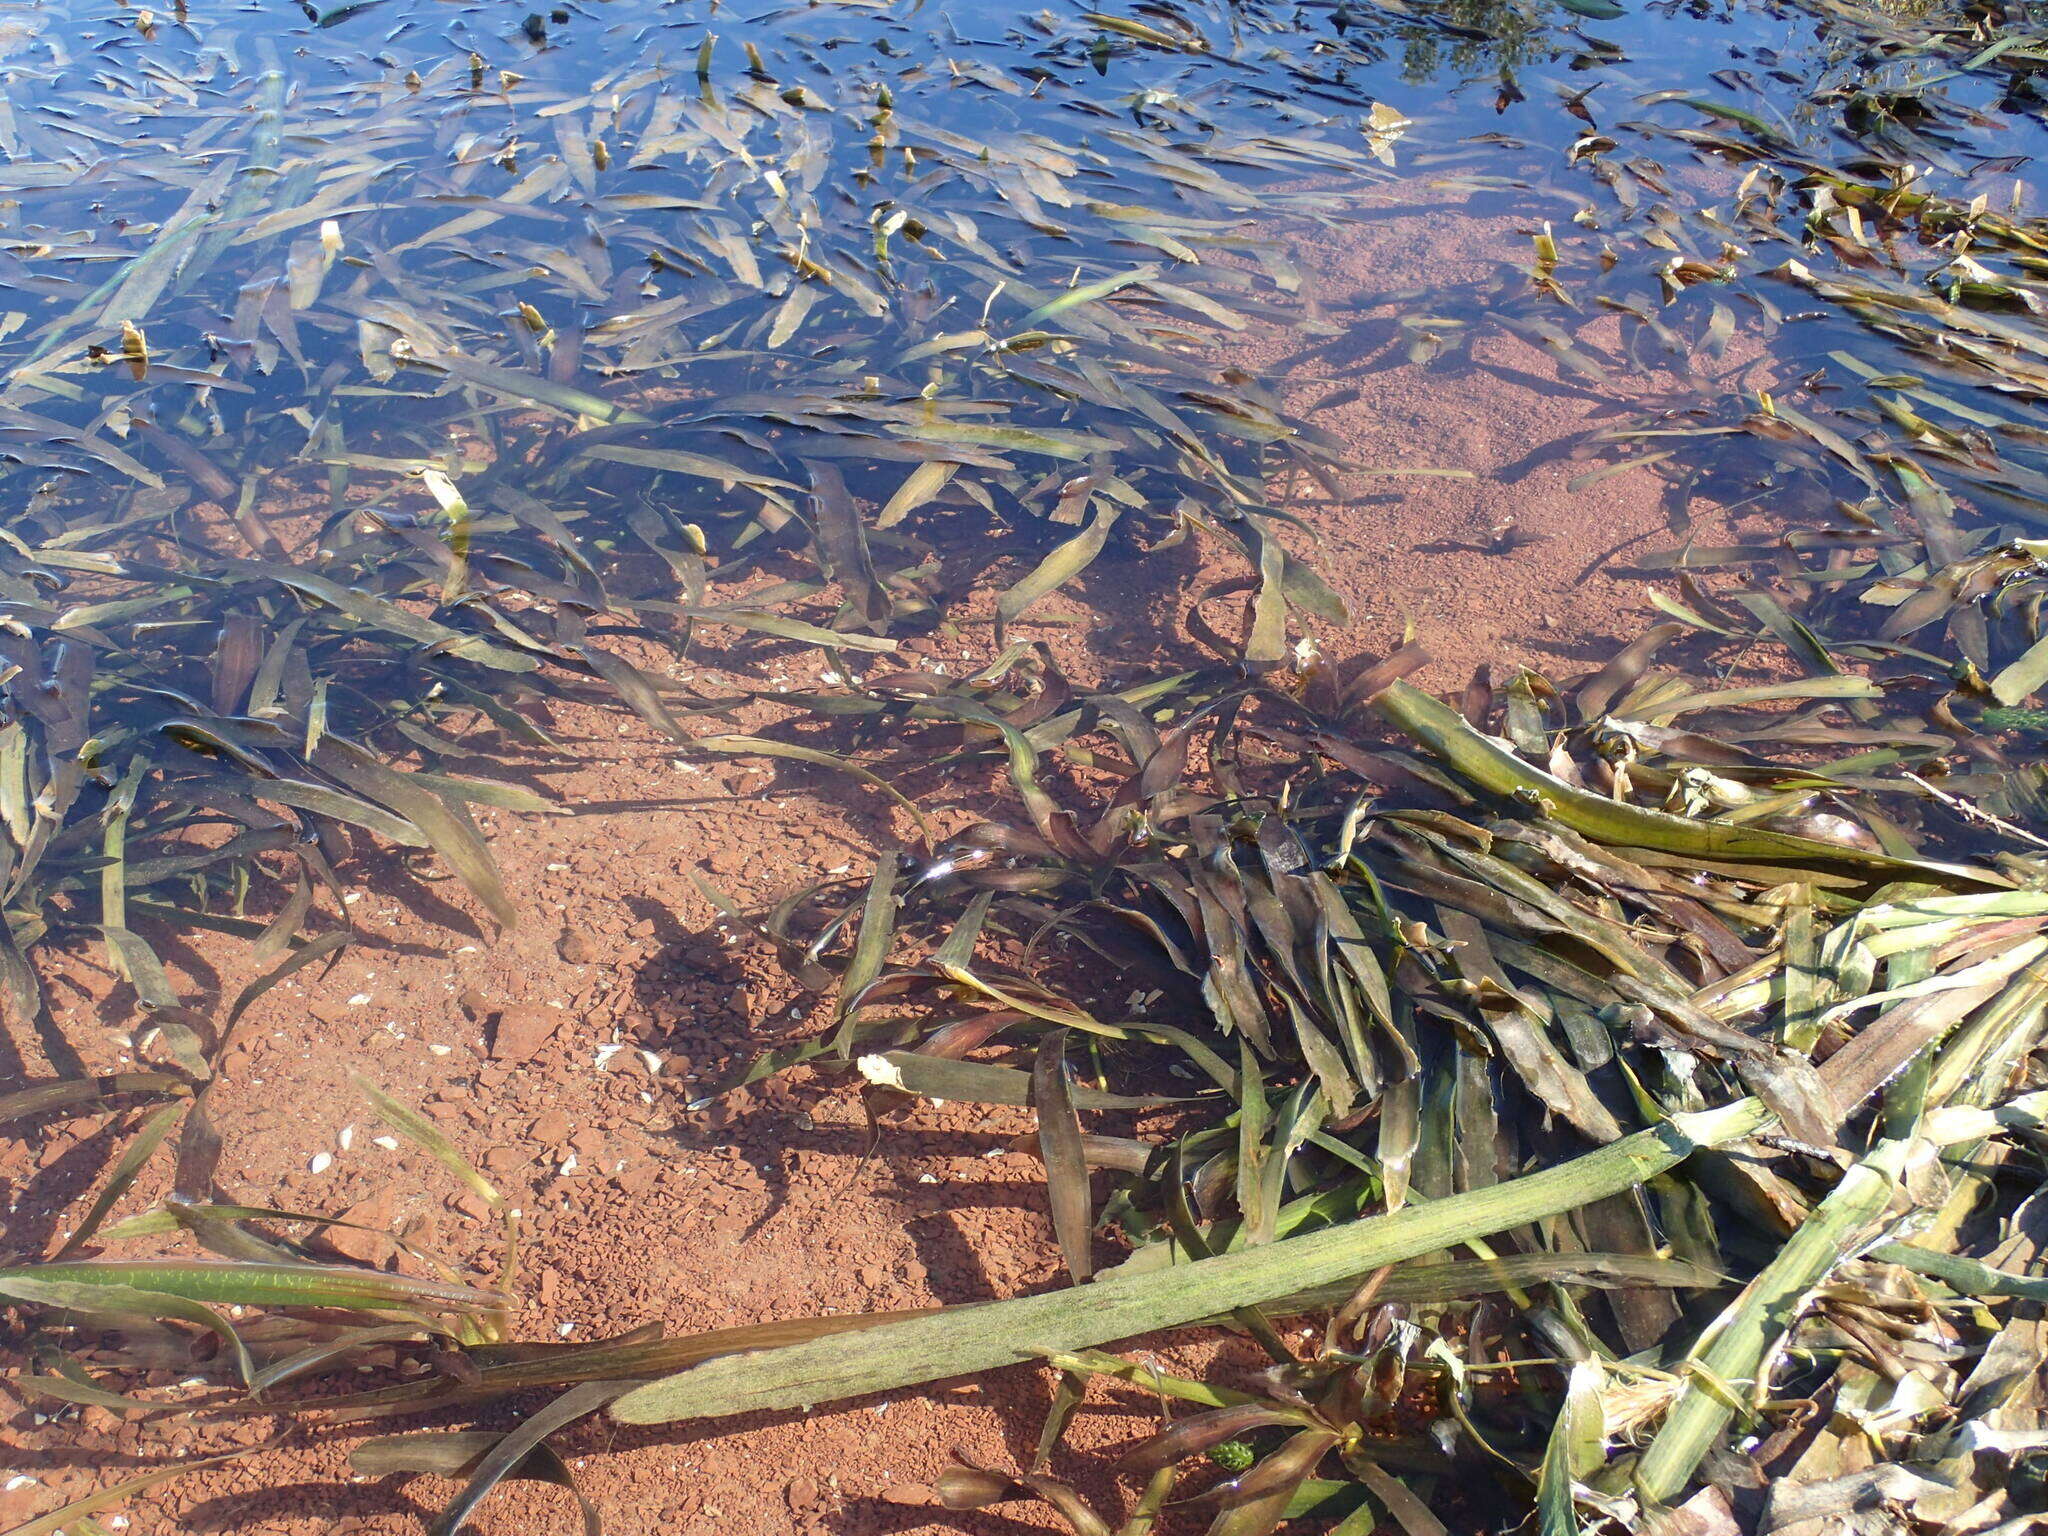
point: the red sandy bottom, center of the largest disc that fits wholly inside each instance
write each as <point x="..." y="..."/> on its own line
<point x="639" y="1210"/>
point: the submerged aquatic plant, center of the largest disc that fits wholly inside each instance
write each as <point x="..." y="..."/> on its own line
<point x="1520" y="1051"/>
<point x="1584" y="1068"/>
<point x="349" y="427"/>
<point x="1895" y="273"/>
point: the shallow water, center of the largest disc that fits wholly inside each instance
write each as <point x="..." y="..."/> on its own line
<point x="357" y="364"/>
<point x="319" y="226"/>
<point x="362" y="370"/>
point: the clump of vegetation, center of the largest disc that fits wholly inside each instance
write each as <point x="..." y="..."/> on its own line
<point x="1620" y="1089"/>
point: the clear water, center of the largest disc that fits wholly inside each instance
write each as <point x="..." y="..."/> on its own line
<point x="460" y="307"/>
<point x="325" y="227"/>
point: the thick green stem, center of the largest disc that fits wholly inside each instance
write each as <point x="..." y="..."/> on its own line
<point x="959" y="1343"/>
<point x="1769" y="1305"/>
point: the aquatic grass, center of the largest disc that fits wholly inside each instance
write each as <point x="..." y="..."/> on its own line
<point x="302" y="1335"/>
<point x="269" y="581"/>
<point x="1888" y="433"/>
<point x="1520" y="1024"/>
<point x="352" y="425"/>
<point x="1401" y="950"/>
<point x="1412" y="981"/>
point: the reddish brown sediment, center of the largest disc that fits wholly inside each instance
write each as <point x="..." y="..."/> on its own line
<point x="640" y="1209"/>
